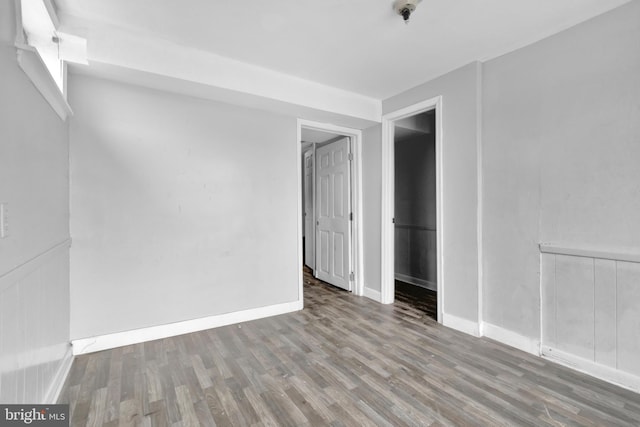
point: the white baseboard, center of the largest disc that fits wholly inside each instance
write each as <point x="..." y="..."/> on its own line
<point x="119" y="339"/>
<point x="615" y="376"/>
<point x="53" y="393"/>
<point x="416" y="281"/>
<point x="463" y="325"/>
<point x="373" y="294"/>
<point x="510" y="338"/>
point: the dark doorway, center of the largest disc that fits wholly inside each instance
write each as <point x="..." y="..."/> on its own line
<point x="415" y="212"/>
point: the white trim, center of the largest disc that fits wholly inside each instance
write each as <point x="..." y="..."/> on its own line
<point x="356" y="195"/>
<point x="550" y="248"/>
<point x="300" y="209"/>
<point x="30" y="358"/>
<point x="15" y="274"/>
<point x="372" y="294"/>
<point x="20" y="35"/>
<point x="511" y="338"/>
<point x="615" y="376"/>
<point x="387" y="259"/>
<point x="55" y="388"/>
<point x="309" y="153"/>
<point x="313" y="210"/>
<point x="135" y="336"/>
<point x="33" y="66"/>
<point x="417" y="281"/>
<point x="459" y="324"/>
<point x="53" y="13"/>
<point x="387" y="236"/>
<point x="480" y="195"/>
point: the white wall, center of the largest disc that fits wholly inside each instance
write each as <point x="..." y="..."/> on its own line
<point x="34" y="263"/>
<point x="460" y="101"/>
<point x="181" y="208"/>
<point x="561" y="150"/>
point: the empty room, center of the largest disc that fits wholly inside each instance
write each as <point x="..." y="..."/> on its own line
<point x="445" y="231"/>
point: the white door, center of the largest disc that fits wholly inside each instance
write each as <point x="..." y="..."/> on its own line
<point x="309" y="228"/>
<point x="333" y="245"/>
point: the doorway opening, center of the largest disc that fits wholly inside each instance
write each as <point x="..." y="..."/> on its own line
<point x="330" y="217"/>
<point x="415" y="239"/>
<point x="412" y="230"/>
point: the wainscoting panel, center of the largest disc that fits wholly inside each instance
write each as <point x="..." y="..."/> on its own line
<point x="35" y="353"/>
<point x="605" y="316"/>
<point x="574" y="305"/>
<point x="628" y="315"/>
<point x="590" y="311"/>
<point x="415" y="255"/>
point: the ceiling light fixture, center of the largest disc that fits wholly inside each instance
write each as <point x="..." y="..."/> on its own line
<point x="405" y="8"/>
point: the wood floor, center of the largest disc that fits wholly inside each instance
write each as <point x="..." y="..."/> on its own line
<point x="422" y="299"/>
<point x="342" y="361"/>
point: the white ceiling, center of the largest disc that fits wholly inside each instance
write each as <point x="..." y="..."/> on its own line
<point x="360" y="46"/>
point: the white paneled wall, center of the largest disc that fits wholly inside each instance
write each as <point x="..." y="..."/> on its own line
<point x="591" y="312"/>
<point x="35" y="353"/>
<point x="415" y="255"/>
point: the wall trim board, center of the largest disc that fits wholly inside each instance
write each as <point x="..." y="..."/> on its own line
<point x="135" y="336"/>
<point x="372" y="294"/>
<point x="417" y="281"/>
<point x="20" y="271"/>
<point x="460" y="324"/>
<point x="510" y="338"/>
<point x="557" y="249"/>
<point x="31" y="63"/>
<point x="31" y="358"/>
<point x="480" y="195"/>
<point x="614" y="376"/>
<point x="55" y="388"/>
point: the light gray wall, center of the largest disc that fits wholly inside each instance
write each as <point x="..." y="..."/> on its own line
<point x="561" y="150"/>
<point x="181" y="208"/>
<point x="34" y="166"/>
<point x="460" y="101"/>
<point x="372" y="202"/>
<point x="34" y="279"/>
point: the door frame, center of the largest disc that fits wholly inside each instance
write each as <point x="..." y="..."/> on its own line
<point x="357" y="246"/>
<point x="387" y="286"/>
<point x="313" y="211"/>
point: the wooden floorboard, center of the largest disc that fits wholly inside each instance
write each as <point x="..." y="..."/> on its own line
<point x="423" y="301"/>
<point x="342" y="361"/>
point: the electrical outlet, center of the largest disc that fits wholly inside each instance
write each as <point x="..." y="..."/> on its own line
<point x="4" y="220"/>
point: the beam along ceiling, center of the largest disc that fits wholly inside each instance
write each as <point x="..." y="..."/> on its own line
<point x="360" y="46"/>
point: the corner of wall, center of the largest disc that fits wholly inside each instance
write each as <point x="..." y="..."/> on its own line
<point x="479" y="209"/>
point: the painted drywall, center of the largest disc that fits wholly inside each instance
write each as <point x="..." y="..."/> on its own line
<point x="34" y="281"/>
<point x="460" y="95"/>
<point x="561" y="149"/>
<point x="181" y="208"/>
<point x="415" y="208"/>
<point x="371" y="201"/>
<point x="33" y="167"/>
